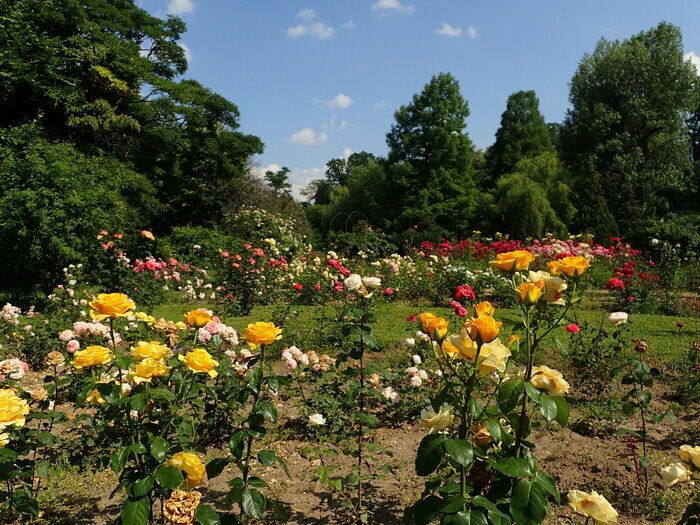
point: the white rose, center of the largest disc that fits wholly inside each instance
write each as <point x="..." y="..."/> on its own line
<point x="618" y="318"/>
<point x="353" y="282"/>
<point x="675" y="473"/>
<point x="416" y="359"/>
<point x="409" y="342"/>
<point x="316" y="420"/>
<point x="371" y="282"/>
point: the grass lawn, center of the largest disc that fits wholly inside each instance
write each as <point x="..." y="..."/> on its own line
<point x="667" y="343"/>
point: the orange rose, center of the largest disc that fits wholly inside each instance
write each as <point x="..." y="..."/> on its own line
<point x="513" y="261"/>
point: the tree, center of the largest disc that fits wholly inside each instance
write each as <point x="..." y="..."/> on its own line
<point x="522" y="134"/>
<point x="337" y="174"/>
<point x="624" y="139"/>
<point x="279" y="181"/>
<point x="430" y="171"/>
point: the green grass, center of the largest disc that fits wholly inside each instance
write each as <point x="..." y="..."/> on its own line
<point x="668" y="344"/>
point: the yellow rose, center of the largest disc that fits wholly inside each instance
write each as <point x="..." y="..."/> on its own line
<point x="433" y="422"/>
<point x="154" y="349"/>
<point x="545" y="378"/>
<point x="148" y="235"/>
<point x="12" y="408"/>
<point x="199" y="360"/>
<point x="690" y="455"/>
<point x="110" y="305"/>
<point x="191" y="465"/>
<point x="95" y="398"/>
<point x="262" y="333"/>
<point x="91" y="356"/>
<point x="513" y="261"/>
<point x="480" y="434"/>
<point x="4" y="439"/>
<point x="675" y="473"/>
<point x="484" y="308"/>
<point x="181" y="507"/>
<point x="593" y="506"/>
<point x="571" y="266"/>
<point x="143" y="316"/>
<point x="530" y="293"/>
<point x="483" y="328"/>
<point x="198" y="318"/>
<point x="492" y="357"/>
<point x="553" y="286"/>
<point x="433" y="326"/>
<point x="149" y="368"/>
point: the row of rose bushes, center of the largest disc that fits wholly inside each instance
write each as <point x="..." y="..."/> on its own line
<point x="145" y="397"/>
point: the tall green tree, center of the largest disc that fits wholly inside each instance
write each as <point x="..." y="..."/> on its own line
<point x="624" y="138"/>
<point x="279" y="181"/>
<point x="522" y="134"/>
<point x="430" y="158"/>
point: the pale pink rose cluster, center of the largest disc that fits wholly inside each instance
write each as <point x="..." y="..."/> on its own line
<point x="215" y="327"/>
<point x="11" y="314"/>
<point x="391" y="395"/>
<point x="417" y="376"/>
<point x="84" y="329"/>
<point x="13" y="368"/>
<point x="293" y="357"/>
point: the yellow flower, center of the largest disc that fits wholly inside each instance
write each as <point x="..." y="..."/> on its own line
<point x="433" y="422"/>
<point x="143" y="316"/>
<point x="95" y="398"/>
<point x="571" y="266"/>
<point x="191" y="465"/>
<point x="553" y="286"/>
<point x="484" y="308"/>
<point x="110" y="305"/>
<point x="198" y="318"/>
<point x="12" y="408"/>
<point x="262" y="333"/>
<point x="513" y="261"/>
<point x="483" y="328"/>
<point x="199" y="360"/>
<point x="149" y="368"/>
<point x="55" y="358"/>
<point x="433" y="326"/>
<point x="690" y="455"/>
<point x="492" y="357"/>
<point x="593" y="506"/>
<point x="181" y="507"/>
<point x="180" y="325"/>
<point x="154" y="349"/>
<point x="675" y="473"/>
<point x="530" y="293"/>
<point x="4" y="439"/>
<point x="91" y="356"/>
<point x="148" y="235"/>
<point x="545" y="378"/>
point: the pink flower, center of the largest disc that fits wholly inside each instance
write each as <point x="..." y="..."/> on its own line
<point x="573" y="328"/>
<point x="463" y="292"/>
<point x="317" y="287"/>
<point x="389" y="291"/>
<point x="72" y="346"/>
<point x="460" y="310"/>
<point x="411" y="318"/>
<point x="203" y="336"/>
<point x="66" y="335"/>
<point x="258" y="252"/>
<point x="416" y="381"/>
<point x="338" y="286"/>
<point x="298" y="287"/>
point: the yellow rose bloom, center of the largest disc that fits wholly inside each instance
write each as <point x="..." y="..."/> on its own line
<point x="190" y="464"/>
<point x="484" y="308"/>
<point x="95" y="398"/>
<point x="149" y="368"/>
<point x="91" y="356"/>
<point x="146" y="234"/>
<point x="4" y="439"/>
<point x="690" y="455"/>
<point x="433" y="422"/>
<point x="545" y="378"/>
<point x="553" y="286"/>
<point x="513" y="261"/>
<point x="198" y="318"/>
<point x="571" y="266"/>
<point x="181" y="507"/>
<point x="492" y="357"/>
<point x="143" y="350"/>
<point x="262" y="333"/>
<point x="593" y="506"/>
<point x="143" y="316"/>
<point x="110" y="305"/>
<point x="199" y="360"/>
<point x="433" y="326"/>
<point x="12" y="409"/>
<point x="483" y="328"/>
<point x="530" y="293"/>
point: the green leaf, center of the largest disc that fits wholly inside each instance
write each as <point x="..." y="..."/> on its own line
<point x="138" y="401"/>
<point x="46" y="438"/>
<point x="24" y="503"/>
<point x="159" y="448"/>
<point x="266" y="457"/>
<point x="424" y="511"/>
<point x="206" y="515"/>
<point x="118" y="459"/>
<point x="562" y="410"/>
<point x="560" y="346"/>
<point x="460" y="451"/>
<point x="532" y="392"/>
<point x="254" y="504"/>
<point x="514" y="467"/>
<point x="169" y="477"/>
<point x="548" y="484"/>
<point x="429" y="454"/>
<point x="468" y="517"/>
<point x="548" y="407"/>
<point x="235" y="444"/>
<point x="268" y="411"/>
<point x="216" y="466"/>
<point x="528" y="504"/>
<point x="508" y="395"/>
<point x="141" y="487"/>
<point x="136" y="512"/>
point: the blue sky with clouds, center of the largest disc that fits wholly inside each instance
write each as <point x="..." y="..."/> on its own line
<point x="316" y="79"/>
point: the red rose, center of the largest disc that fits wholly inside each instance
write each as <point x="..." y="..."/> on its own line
<point x="573" y="328"/>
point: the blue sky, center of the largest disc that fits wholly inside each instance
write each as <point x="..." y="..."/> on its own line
<point x="318" y="79"/>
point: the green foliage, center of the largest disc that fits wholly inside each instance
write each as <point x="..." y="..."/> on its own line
<point x="362" y="239"/>
<point x="199" y="245"/>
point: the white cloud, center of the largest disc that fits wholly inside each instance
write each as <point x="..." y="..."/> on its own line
<point x="308" y="137"/>
<point x="259" y="171"/>
<point x="188" y="52"/>
<point x="347" y="152"/>
<point x="179" y="7"/>
<point x="379" y="104"/>
<point x="449" y="30"/>
<point x="392" y="5"/>
<point x="349" y="24"/>
<point x="694" y="59"/>
<point x="473" y="32"/>
<point x="339" y="101"/>
<point x="307" y="14"/>
<point x="334" y="124"/>
<point x="322" y="30"/>
<point x="297" y="31"/>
